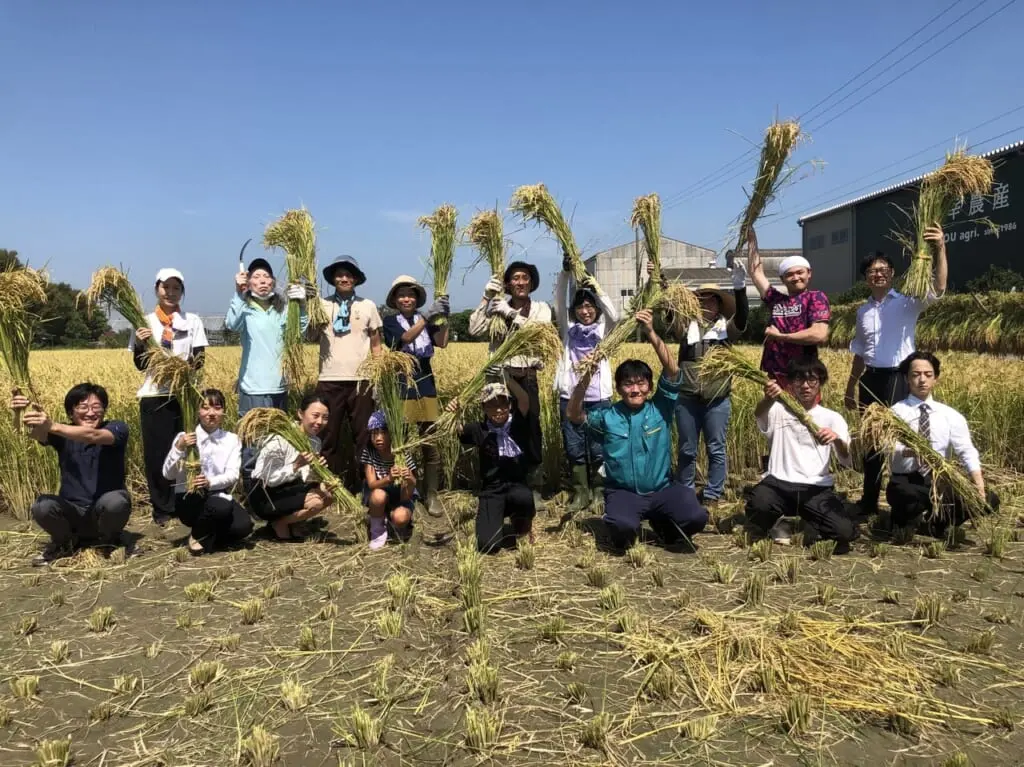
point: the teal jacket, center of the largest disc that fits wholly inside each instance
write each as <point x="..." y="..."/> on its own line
<point x="262" y="332"/>
<point x="637" y="443"/>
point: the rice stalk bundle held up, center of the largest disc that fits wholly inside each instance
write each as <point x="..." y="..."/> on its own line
<point x="21" y="288"/>
<point x="442" y="224"/>
<point x="961" y="175"/>
<point x="535" y="203"/>
<point x="261" y="423"/>
<point x="111" y="287"/>
<point x="295" y="234"/>
<point x="182" y="380"/>
<point x="647" y="218"/>
<point x="532" y="339"/>
<point x="772" y="172"/>
<point x="883" y="431"/>
<point x="486" y="235"/>
<point x="727" y="361"/>
<point x="385" y="372"/>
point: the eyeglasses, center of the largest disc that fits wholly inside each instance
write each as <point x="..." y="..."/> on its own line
<point x="96" y="407"/>
<point x="809" y="380"/>
<point x="882" y="270"/>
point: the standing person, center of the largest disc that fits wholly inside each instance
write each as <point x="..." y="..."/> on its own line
<point x="582" y="325"/>
<point x="284" y="490"/>
<point x="351" y="334"/>
<point x="92" y="506"/>
<point x="215" y="518"/>
<point x="799" y="317"/>
<point x="636" y="434"/>
<point x="389" y="491"/>
<point x="419" y="335"/>
<point x="883" y="338"/>
<point x="909" y="492"/>
<point x="517" y="308"/>
<point x="704" y="406"/>
<point x="503" y="442"/>
<point x="183" y="335"/>
<point x="799" y="482"/>
<point x="258" y="315"/>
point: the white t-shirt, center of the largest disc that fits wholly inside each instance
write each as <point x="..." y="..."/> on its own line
<point x="794" y="454"/>
<point x="189" y="336"/>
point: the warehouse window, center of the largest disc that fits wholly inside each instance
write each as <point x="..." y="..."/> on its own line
<point x="817" y="242"/>
<point x="839" y="236"/>
<point x="627" y="292"/>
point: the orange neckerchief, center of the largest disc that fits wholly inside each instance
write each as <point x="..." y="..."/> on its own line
<point x="167" y="338"/>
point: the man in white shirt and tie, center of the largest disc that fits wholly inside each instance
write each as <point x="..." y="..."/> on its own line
<point x="883" y="338"/>
<point x="910" y="487"/>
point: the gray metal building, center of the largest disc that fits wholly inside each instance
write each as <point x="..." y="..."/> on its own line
<point x="836" y="238"/>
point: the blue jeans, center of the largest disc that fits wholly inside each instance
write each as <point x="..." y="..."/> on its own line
<point x="247" y="402"/>
<point x="694" y="417"/>
<point x="576" y="440"/>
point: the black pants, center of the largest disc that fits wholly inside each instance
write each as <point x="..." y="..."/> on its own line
<point x="910" y="496"/>
<point x="819" y="507"/>
<point x="68" y="524"/>
<point x="352" y="402"/>
<point x="515" y="501"/>
<point x="886" y="387"/>
<point x="212" y="518"/>
<point x="527" y="378"/>
<point x="160" y="422"/>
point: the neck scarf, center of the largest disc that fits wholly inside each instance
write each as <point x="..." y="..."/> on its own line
<point x="507" y="447"/>
<point x="717" y="332"/>
<point x="341" y="319"/>
<point x="581" y="340"/>
<point x="167" y="321"/>
<point x="421" y="345"/>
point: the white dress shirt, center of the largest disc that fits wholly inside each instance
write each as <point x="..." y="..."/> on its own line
<point x="948" y="431"/>
<point x="220" y="461"/>
<point x="884" y="334"/>
<point x="795" y="455"/>
<point x="275" y="462"/>
<point x="479" y="322"/>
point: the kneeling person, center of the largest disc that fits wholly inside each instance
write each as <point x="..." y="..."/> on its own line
<point x="92" y="506"/>
<point x="799" y="481"/>
<point x="389" y="491"/>
<point x="636" y="437"/>
<point x="909" y="492"/>
<point x="215" y="518"/>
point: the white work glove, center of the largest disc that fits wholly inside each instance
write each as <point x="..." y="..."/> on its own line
<point x="502" y="308"/>
<point x="296" y="292"/>
<point x="739" y="274"/>
<point x="517" y="319"/>
<point x="494" y="287"/>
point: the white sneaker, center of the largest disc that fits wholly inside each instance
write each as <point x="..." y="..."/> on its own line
<point x="378" y="533"/>
<point x="782" y="532"/>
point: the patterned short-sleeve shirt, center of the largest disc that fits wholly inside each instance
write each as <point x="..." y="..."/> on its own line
<point x="791" y="314"/>
<point x="381" y="467"/>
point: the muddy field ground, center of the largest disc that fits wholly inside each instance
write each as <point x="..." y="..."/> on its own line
<point x="321" y="653"/>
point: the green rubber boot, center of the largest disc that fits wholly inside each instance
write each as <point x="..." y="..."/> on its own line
<point x="596" y="492"/>
<point x="580" y="490"/>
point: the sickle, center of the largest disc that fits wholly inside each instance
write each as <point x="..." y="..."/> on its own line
<point x="241" y="253"/>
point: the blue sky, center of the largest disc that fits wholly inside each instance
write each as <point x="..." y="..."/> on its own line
<point x="157" y="134"/>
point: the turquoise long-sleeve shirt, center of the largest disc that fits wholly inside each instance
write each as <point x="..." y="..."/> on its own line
<point x="262" y="332"/>
<point x="637" y="443"/>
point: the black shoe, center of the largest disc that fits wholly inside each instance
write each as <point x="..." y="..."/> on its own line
<point x="51" y="553"/>
<point x="161" y="520"/>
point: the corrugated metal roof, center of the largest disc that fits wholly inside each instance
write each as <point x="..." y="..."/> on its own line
<point x="631" y="243"/>
<point x="893" y="187"/>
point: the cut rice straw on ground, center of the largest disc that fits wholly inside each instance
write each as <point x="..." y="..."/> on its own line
<point x="772" y="173"/>
<point x="443" y="226"/>
<point x="727" y="361"/>
<point x="485" y="233"/>
<point x="885" y="432"/>
<point x="111" y="287"/>
<point x="263" y="422"/>
<point x="385" y="372"/>
<point x="960" y="176"/>
<point x="181" y="379"/>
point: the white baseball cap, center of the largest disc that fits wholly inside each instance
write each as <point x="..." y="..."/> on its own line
<point x="167" y="274"/>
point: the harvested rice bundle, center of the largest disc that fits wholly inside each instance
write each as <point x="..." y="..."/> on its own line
<point x="535" y="203"/>
<point x="442" y="224"/>
<point x="385" y="371"/>
<point x="725" y="361"/>
<point x="647" y="218"/>
<point x="20" y="289"/>
<point x="295" y="234"/>
<point x="883" y="431"/>
<point x="182" y="381"/>
<point x="486" y="235"/>
<point x="111" y="287"/>
<point x="263" y="422"/>
<point x="961" y="175"/>
<point x="772" y="172"/>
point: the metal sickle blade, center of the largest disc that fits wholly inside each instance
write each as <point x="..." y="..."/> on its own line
<point x="242" y="251"/>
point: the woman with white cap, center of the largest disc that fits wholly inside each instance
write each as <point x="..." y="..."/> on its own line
<point x="351" y="334"/>
<point x="419" y="334"/>
<point x="183" y="335"/>
<point x="511" y="301"/>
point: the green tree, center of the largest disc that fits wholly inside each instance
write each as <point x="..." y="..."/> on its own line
<point x="459" y="322"/>
<point x="997" y="278"/>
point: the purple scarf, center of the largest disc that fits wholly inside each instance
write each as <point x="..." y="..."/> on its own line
<point x="507" y="447"/>
<point x="581" y="340"/>
<point x="421" y="345"/>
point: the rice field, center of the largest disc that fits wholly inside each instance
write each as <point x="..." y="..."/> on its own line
<point x="319" y="653"/>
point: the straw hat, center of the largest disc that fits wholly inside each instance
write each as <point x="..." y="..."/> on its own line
<point x="726" y="300"/>
<point x="405" y="281"/>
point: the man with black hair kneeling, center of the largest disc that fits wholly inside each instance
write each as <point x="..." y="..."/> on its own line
<point x="92" y="506"/>
<point x="799" y="481"/>
<point x="636" y="436"/>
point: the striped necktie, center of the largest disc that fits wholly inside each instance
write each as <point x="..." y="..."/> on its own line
<point x="924" y="428"/>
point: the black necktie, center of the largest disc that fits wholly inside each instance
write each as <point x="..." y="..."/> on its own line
<point x="924" y="428"/>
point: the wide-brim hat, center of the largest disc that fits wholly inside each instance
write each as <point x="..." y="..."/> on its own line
<point x="405" y="281"/>
<point x="350" y="264"/>
<point x="726" y="300"/>
<point x="517" y="266"/>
